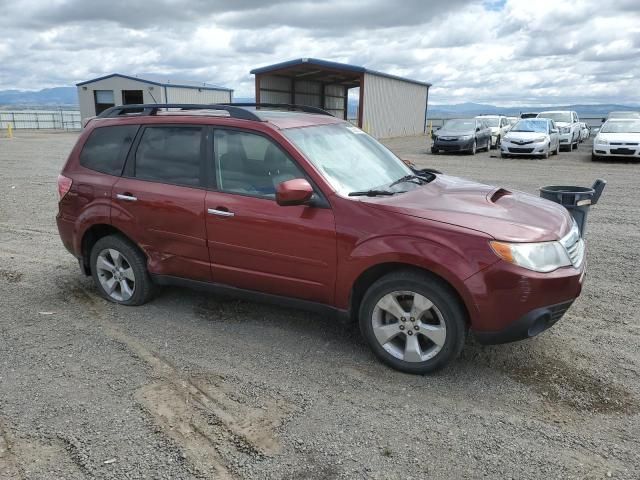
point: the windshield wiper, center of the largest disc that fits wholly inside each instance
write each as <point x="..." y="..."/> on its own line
<point x="409" y="178"/>
<point x="372" y="193"/>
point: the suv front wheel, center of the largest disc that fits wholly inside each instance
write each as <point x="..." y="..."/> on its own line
<point x="413" y="322"/>
<point x="119" y="271"/>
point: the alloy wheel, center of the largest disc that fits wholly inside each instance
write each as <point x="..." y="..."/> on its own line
<point x="409" y="326"/>
<point x="115" y="274"/>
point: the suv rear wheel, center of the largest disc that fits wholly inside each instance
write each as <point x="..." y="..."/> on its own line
<point x="412" y="322"/>
<point x="119" y="271"/>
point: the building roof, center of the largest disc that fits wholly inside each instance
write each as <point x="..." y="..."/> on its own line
<point x="304" y="67"/>
<point x="160" y="81"/>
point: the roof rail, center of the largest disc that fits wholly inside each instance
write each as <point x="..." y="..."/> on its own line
<point x="236" y="110"/>
<point x="152" y="109"/>
<point x="282" y="106"/>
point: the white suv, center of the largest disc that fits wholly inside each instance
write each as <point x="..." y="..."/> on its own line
<point x="568" y="123"/>
<point x="499" y="126"/>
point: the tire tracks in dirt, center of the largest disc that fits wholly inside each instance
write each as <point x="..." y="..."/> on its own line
<point x="208" y="418"/>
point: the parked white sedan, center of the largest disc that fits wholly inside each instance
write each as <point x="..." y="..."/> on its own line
<point x="618" y="138"/>
<point x="531" y="137"/>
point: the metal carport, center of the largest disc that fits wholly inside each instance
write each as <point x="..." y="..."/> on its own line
<point x="388" y="105"/>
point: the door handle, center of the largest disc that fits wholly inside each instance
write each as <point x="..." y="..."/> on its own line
<point x="220" y="211"/>
<point x="126" y="197"/>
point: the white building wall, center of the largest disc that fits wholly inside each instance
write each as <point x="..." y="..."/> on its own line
<point x="150" y="93"/>
<point x="392" y="107"/>
<point x="194" y="95"/>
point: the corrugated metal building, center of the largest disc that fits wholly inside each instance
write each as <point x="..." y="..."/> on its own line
<point x="98" y="94"/>
<point x="388" y="106"/>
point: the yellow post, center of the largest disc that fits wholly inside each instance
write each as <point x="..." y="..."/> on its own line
<point x="10" y="130"/>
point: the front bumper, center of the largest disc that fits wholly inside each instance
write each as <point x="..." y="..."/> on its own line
<point x="629" y="151"/>
<point x="509" y="148"/>
<point x="565" y="139"/>
<point x="453" y="145"/>
<point x="529" y="325"/>
<point x="511" y="303"/>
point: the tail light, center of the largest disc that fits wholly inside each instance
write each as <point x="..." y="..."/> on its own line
<point x="64" y="185"/>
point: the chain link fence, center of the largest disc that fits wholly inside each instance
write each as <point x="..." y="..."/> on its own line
<point x="41" y="119"/>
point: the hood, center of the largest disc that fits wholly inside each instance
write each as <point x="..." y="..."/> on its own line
<point x="562" y="124"/>
<point x="505" y="215"/>
<point x="620" y="137"/>
<point x="524" y="135"/>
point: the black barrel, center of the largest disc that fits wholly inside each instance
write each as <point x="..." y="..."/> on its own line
<point x="575" y="199"/>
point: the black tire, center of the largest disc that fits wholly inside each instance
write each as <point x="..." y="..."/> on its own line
<point x="143" y="287"/>
<point x="434" y="151"/>
<point x="474" y="147"/>
<point x="452" y="313"/>
<point x="595" y="158"/>
<point x="498" y="142"/>
<point x="557" y="152"/>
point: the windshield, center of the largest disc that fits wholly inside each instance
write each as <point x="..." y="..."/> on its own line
<point x="629" y="126"/>
<point x="624" y="115"/>
<point x="348" y="158"/>
<point x="530" y="126"/>
<point x="459" y="125"/>
<point x="491" y="122"/>
<point x="556" y="116"/>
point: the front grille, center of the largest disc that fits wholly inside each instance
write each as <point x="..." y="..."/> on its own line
<point x="574" y="245"/>
<point x="625" y="143"/>
<point x="447" y="139"/>
<point x="522" y="142"/>
<point x="520" y="150"/>
<point x="622" y="151"/>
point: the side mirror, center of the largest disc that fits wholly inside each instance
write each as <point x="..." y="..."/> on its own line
<point x="604" y="120"/>
<point x="293" y="192"/>
<point x="477" y="129"/>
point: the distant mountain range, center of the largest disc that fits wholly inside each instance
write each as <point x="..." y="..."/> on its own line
<point x="58" y="96"/>
<point x="68" y="96"/>
<point x="444" y="111"/>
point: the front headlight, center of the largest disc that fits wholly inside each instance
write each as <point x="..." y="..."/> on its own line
<point x="565" y="129"/>
<point x="539" y="139"/>
<point x="602" y="141"/>
<point x="540" y="257"/>
<point x="466" y="137"/>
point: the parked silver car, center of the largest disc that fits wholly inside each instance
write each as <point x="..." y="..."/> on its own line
<point x="462" y="135"/>
<point x="568" y="125"/>
<point x="531" y="137"/>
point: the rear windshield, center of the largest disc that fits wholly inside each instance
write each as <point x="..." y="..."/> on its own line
<point x="106" y="148"/>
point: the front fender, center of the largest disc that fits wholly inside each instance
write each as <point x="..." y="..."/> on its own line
<point x="453" y="254"/>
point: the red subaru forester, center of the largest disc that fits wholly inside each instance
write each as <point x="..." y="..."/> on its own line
<point x="303" y="209"/>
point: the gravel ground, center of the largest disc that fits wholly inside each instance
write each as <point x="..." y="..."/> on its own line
<point x="194" y="386"/>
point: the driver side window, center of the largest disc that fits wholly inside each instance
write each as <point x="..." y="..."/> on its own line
<point x="250" y="164"/>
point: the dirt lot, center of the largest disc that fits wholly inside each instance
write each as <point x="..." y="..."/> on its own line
<point x="194" y="386"/>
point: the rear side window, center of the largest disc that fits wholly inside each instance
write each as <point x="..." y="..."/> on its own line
<point x="170" y="155"/>
<point x="106" y="148"/>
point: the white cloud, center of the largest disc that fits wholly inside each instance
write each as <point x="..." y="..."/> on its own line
<point x="498" y="52"/>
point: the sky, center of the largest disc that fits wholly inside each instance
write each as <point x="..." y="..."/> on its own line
<point x="507" y="53"/>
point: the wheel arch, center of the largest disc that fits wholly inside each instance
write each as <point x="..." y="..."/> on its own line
<point x="375" y="272"/>
<point x="94" y="233"/>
